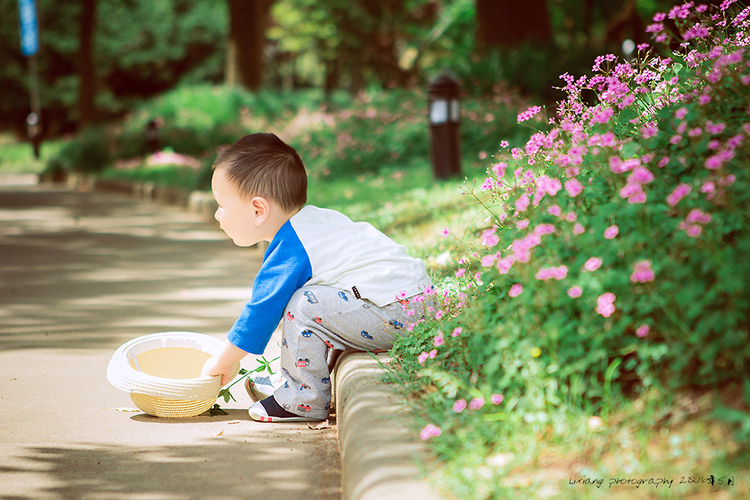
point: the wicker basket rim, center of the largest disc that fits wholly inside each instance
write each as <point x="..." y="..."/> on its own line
<point x="122" y="375"/>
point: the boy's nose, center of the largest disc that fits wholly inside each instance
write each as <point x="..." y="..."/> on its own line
<point x="216" y="215"/>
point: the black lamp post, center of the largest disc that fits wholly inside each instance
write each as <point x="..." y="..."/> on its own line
<point x="445" y="115"/>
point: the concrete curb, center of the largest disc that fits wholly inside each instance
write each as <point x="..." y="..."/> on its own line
<point x="380" y="454"/>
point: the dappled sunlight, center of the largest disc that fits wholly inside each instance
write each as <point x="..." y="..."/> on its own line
<point x="260" y="466"/>
<point x="100" y="265"/>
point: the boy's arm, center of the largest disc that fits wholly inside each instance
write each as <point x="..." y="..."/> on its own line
<point x="222" y="363"/>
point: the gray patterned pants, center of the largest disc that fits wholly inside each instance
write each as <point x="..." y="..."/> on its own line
<point x="319" y="318"/>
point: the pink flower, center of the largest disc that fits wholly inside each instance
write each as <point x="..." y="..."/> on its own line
<point x="696" y="215"/>
<point x="554" y="210"/>
<point x="602" y="115"/>
<point x="694" y="230"/>
<point x="677" y="194"/>
<point x="642" y="272"/>
<point x="439" y="340"/>
<point x="605" y="304"/>
<point x="522" y="224"/>
<point x="642" y="330"/>
<point x="497" y="399"/>
<point x="459" y="405"/>
<point x="632" y="192"/>
<point x="715" y="128"/>
<point x="499" y="169"/>
<point x="546" y="273"/>
<point x="648" y="131"/>
<point x="681" y="113"/>
<point x="429" y="431"/>
<point x="422" y="358"/>
<point x="504" y="264"/>
<point x="593" y="264"/>
<point x="641" y="175"/>
<point x="573" y="187"/>
<point x="489" y="237"/>
<point x="713" y="162"/>
<point x="611" y="232"/>
<point x="432" y="354"/>
<point x="522" y="203"/>
<point x="445" y="232"/>
<point x="575" y="291"/>
<point x="578" y="229"/>
<point x="515" y="290"/>
<point x="460" y="272"/>
<point x="488" y="260"/>
<point x="543" y="229"/>
<point x="476" y="403"/>
<point x="528" y="114"/>
<point x="456" y="331"/>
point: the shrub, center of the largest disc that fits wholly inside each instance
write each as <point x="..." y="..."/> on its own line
<point x="382" y="129"/>
<point x="614" y="253"/>
<point x="88" y="152"/>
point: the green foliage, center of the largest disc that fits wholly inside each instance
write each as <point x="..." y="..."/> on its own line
<point x="389" y="129"/>
<point x="611" y="262"/>
<point x="89" y="152"/>
<point x="140" y="48"/>
<point x="337" y="137"/>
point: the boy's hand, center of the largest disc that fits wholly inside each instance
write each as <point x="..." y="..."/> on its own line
<point x="223" y="363"/>
<point x="213" y="369"/>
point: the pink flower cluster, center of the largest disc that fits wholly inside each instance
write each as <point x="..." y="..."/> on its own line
<point x="677" y="194"/>
<point x="547" y="273"/>
<point x="429" y="431"/>
<point x="642" y="272"/>
<point x="476" y="403"/>
<point x="529" y="114"/>
<point x="693" y="223"/>
<point x="605" y="304"/>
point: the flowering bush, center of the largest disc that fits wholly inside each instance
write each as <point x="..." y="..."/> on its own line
<point x="615" y="251"/>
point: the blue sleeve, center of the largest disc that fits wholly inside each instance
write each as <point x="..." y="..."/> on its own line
<point x="286" y="268"/>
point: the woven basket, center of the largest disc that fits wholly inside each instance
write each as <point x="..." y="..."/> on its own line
<point x="162" y="373"/>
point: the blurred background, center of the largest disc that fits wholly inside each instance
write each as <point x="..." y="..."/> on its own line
<point x="344" y="81"/>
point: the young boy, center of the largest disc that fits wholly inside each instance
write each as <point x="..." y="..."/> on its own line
<point x="334" y="284"/>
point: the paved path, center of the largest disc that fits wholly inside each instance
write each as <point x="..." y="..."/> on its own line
<point x="81" y="273"/>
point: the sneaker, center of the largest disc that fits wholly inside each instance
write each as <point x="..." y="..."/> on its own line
<point x="263" y="386"/>
<point x="268" y="410"/>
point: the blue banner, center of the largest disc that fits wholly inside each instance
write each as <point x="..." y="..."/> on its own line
<point x="29" y="31"/>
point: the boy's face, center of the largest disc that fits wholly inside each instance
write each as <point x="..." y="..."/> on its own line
<point x="236" y="216"/>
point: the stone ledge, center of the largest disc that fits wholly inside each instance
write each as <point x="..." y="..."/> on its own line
<point x="380" y="453"/>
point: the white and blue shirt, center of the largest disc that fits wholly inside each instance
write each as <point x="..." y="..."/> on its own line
<point x="324" y="247"/>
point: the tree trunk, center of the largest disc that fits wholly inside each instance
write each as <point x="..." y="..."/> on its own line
<point x="508" y="23"/>
<point x="248" y="20"/>
<point x="86" y="73"/>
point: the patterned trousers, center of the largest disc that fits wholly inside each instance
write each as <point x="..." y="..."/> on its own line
<point x="320" y="318"/>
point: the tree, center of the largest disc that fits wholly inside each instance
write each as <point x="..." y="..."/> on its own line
<point x="248" y="20"/>
<point x="509" y="23"/>
<point x="86" y="74"/>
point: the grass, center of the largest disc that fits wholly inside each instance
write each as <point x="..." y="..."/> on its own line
<point x="18" y="157"/>
<point x="645" y="450"/>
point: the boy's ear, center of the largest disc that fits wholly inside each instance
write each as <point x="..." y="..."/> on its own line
<point x="261" y="209"/>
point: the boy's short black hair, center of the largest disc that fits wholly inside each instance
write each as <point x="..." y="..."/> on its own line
<point x="264" y="165"/>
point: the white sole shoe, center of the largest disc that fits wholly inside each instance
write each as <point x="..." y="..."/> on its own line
<point x="258" y="413"/>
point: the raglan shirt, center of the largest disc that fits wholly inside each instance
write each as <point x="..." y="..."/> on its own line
<point x="324" y="247"/>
